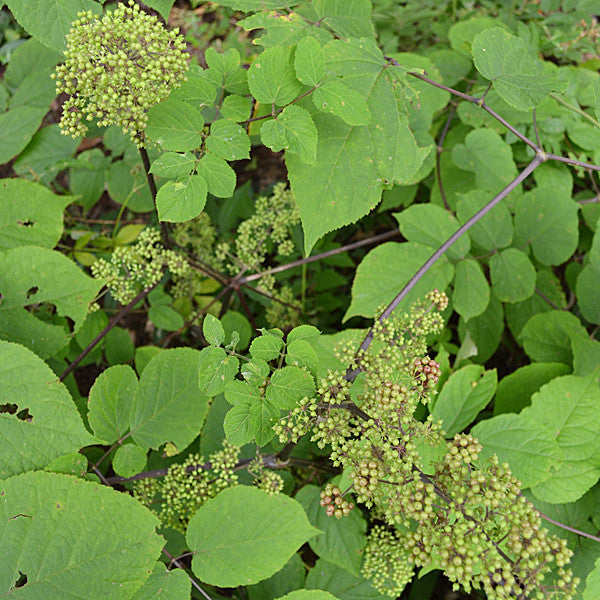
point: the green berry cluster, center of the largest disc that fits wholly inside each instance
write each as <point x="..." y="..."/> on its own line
<point x="116" y="68"/>
<point x="265" y="479"/>
<point x="333" y="501"/>
<point x="188" y="485"/>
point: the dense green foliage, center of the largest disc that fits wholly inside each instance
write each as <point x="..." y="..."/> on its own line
<point x="219" y="375"/>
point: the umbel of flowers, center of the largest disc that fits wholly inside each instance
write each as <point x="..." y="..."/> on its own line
<point x="116" y="68"/>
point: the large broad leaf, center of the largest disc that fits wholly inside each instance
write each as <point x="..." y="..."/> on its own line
<point x="29" y="214"/>
<point x="525" y="444"/>
<point x="73" y="539"/>
<point x="228" y="140"/>
<point x="169" y="405"/>
<point x="50" y="20"/>
<point x="244" y="535"/>
<point x="220" y="177"/>
<point x="31" y="276"/>
<point x="17" y="127"/>
<point x="518" y="77"/>
<point x="385" y="270"/>
<point x="592" y="584"/>
<point x="569" y="408"/>
<point x="343" y="540"/>
<point x="175" y="125"/>
<point x="39" y="421"/>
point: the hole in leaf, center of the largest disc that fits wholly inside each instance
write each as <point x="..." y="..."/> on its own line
<point x="13" y="409"/>
<point x="27" y="223"/>
<point x="31" y="291"/>
<point x="21" y="581"/>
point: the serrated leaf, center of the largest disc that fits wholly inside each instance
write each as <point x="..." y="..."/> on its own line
<point x="337" y="99"/>
<point x="111" y="402"/>
<point x="238" y="425"/>
<point x="213" y="330"/>
<point x="526" y="445"/>
<point x="512" y="275"/>
<point x="272" y="77"/>
<point x="430" y="224"/>
<point x="168" y="405"/>
<point x="266" y="347"/>
<point x="569" y="408"/>
<point x="215" y="370"/>
<point x="343" y="540"/>
<point x="303" y="332"/>
<point x="465" y="393"/>
<point x="50" y="20"/>
<point x="161" y="6"/>
<point x="288" y="386"/>
<point x="224" y="70"/>
<point x="173" y="165"/>
<point x="198" y="91"/>
<point x="294" y="131"/>
<point x="58" y="546"/>
<point x="220" y="177"/>
<point x="236" y="108"/>
<point x="228" y="140"/>
<point x="240" y="392"/>
<point x="31" y="276"/>
<point x="263" y="416"/>
<point x="549" y="221"/>
<point x="165" y="317"/>
<point x="175" y="125"/>
<point x="300" y="353"/>
<point x="348" y="18"/>
<point x="39" y="421"/>
<point x="179" y="201"/>
<point x="592" y="583"/>
<point x="242" y="524"/>
<point x="386" y="269"/>
<point x="258" y="5"/>
<point x="129" y="460"/>
<point x="29" y="214"/>
<point x="517" y="76"/>
<point x="471" y="290"/>
<point x="309" y="61"/>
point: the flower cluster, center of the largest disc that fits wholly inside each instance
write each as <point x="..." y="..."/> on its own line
<point x="134" y="268"/>
<point x="116" y="68"/>
<point x="333" y="501"/>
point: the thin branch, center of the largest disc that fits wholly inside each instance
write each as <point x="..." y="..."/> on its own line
<point x="571" y="161"/>
<point x="164" y="231"/>
<point x="576" y="109"/>
<point x="537" y="160"/>
<point x="309" y="259"/>
<point x="568" y="527"/>
<point x="438" y="152"/>
<point x="180" y="566"/>
<point x="105" y="331"/>
<point x="544" y="297"/>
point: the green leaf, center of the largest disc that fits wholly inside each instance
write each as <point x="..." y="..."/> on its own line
<point x="173" y="584"/>
<point x="546" y="337"/>
<point x="385" y="270"/>
<point x="303" y="332"/>
<point x="17" y="127"/>
<point x="308" y="595"/>
<point x="213" y="330"/>
<point x="29" y="58"/>
<point x="471" y="290"/>
<point x="230" y="531"/>
<point x="518" y="77"/>
<point x="87" y="177"/>
<point x="61" y="548"/>
<point x="592" y="583"/>
<point x="515" y="390"/>
<point x="165" y="317"/>
<point x="29" y="214"/>
<point x="430" y="224"/>
<point x="161" y="6"/>
<point x="294" y="131"/>
<point x="168" y="405"/>
<point x="494" y="230"/>
<point x="236" y="108"/>
<point x="549" y="221"/>
<point x="50" y="20"/>
<point x="215" y="370"/>
<point x="291" y="577"/>
<point x="339" y="582"/>
<point x="512" y="275"/>
<point x="179" y="201"/>
<point x="483" y="333"/>
<point x="256" y="5"/>
<point x="228" y="140"/>
<point x="220" y="177"/>
<point x="173" y="165"/>
<point x="348" y="18"/>
<point x="267" y="347"/>
<point x="175" y="125"/>
<point x="288" y="386"/>
<point x="343" y="540"/>
<point x="309" y="61"/>
<point x="118" y="346"/>
<point x="224" y="71"/>
<point x="569" y="408"/>
<point x="110" y="403"/>
<point x="238" y="425"/>
<point x="526" y="445"/>
<point x="488" y="156"/>
<point x="300" y="353"/>
<point x="198" y="91"/>
<point x="31" y="276"/>
<point x="39" y="421"/>
<point x="464" y="395"/>
<point x="337" y="99"/>
<point x="588" y="292"/>
<point x="129" y="460"/>
<point x="272" y="77"/>
<point x="263" y="416"/>
<point x="240" y="392"/>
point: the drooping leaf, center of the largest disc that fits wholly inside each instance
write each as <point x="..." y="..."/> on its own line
<point x="179" y="201"/>
<point x="244" y="535"/>
<point x="39" y="421"/>
<point x="294" y="131"/>
<point x="471" y="290"/>
<point x="58" y="546"/>
<point x="31" y="276"/>
<point x="175" y="125"/>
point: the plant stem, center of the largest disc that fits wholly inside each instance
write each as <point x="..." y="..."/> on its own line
<point x="180" y="566"/>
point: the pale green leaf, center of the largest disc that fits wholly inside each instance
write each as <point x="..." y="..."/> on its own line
<point x="173" y="165"/>
<point x="592" y="583"/>
<point x="471" y="290"/>
<point x="215" y="369"/>
<point x="512" y="275"/>
<point x="175" y="125"/>
<point x="165" y="584"/>
<point x="228" y="140"/>
<point x="224" y="71"/>
<point x="161" y="6"/>
<point x="241" y="392"/>
<point x="294" y="131"/>
<point x="17" y="127"/>
<point x="111" y="402"/>
<point x="303" y="332"/>
<point x="31" y="276"/>
<point x="238" y="425"/>
<point x="105" y="551"/>
<point x="288" y="386"/>
<point x="220" y="177"/>
<point x="236" y="108"/>
<point x="199" y="90"/>
<point x="40" y="421"/>
<point x="385" y="270"/>
<point x="213" y="330"/>
<point x="179" y="201"/>
<point x="244" y="535"/>
<point x="129" y="460"/>
<point x="266" y="347"/>
<point x="258" y="5"/>
<point x="165" y="317"/>
<point x="263" y="416"/>
<point x="347" y="18"/>
<point x="309" y="61"/>
<point x="168" y="405"/>
<point x="308" y="595"/>
<point x="300" y="353"/>
<point x="272" y="77"/>
<point x="29" y="214"/>
<point x="337" y="99"/>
